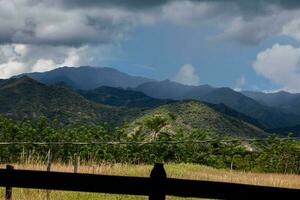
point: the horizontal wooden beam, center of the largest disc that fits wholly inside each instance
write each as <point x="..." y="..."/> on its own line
<point x="138" y="185"/>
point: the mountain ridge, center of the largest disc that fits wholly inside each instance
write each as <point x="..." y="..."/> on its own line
<point x="269" y="117"/>
<point x="122" y="97"/>
<point x="26" y="97"/>
<point x="192" y="114"/>
<point x="86" y="77"/>
<point x="290" y="102"/>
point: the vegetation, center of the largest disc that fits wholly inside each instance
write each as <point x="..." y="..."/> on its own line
<point x="121" y="97"/>
<point x="271" y="155"/>
<point x="190" y="114"/>
<point x="185" y="171"/>
<point x="140" y="134"/>
<point x="25" y="97"/>
<point x="268" y="117"/>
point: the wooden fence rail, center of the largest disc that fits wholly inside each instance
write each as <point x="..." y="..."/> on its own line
<point x="156" y="187"/>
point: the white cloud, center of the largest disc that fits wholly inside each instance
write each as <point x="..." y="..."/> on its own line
<point x="191" y="13"/>
<point x="292" y="29"/>
<point x="239" y="83"/>
<point x="280" y="64"/>
<point x="42" y="65"/>
<point x="17" y="58"/>
<point x="187" y="75"/>
<point x="41" y="35"/>
<point x="253" y="30"/>
<point x="11" y="67"/>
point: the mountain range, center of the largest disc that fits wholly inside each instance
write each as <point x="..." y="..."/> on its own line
<point x="27" y="98"/>
<point x="122" y="98"/>
<point x="269" y="117"/>
<point x="286" y="101"/>
<point x="93" y="95"/>
<point x="86" y="78"/>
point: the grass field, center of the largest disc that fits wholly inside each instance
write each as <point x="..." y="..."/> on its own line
<point x="186" y="171"/>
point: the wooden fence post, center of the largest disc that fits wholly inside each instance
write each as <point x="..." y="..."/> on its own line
<point x="158" y="176"/>
<point x="8" y="189"/>
<point x="76" y="159"/>
<point x="49" y="160"/>
<point x="49" y="163"/>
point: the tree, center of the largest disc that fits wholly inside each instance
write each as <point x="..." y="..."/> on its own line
<point x="155" y="124"/>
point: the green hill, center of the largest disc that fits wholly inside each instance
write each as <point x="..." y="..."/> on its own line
<point x="25" y="97"/>
<point x="121" y="97"/>
<point x="268" y="117"/>
<point x="189" y="115"/>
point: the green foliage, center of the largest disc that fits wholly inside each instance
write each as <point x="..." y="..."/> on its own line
<point x="25" y="97"/>
<point x="189" y="115"/>
<point x="155" y="123"/>
<point x="272" y="155"/>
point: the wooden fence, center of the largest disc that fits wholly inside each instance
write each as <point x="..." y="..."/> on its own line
<point x="156" y="187"/>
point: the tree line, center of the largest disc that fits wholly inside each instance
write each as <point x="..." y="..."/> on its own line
<point x="271" y="155"/>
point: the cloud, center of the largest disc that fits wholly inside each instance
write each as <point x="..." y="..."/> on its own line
<point x="191" y="13"/>
<point x="77" y="23"/>
<point x="20" y="58"/>
<point x="247" y="6"/>
<point x="49" y="23"/>
<point x="128" y="4"/>
<point x="187" y="75"/>
<point x="40" y="35"/>
<point x="280" y="64"/>
<point x="245" y="22"/>
<point x="241" y="81"/>
<point x="292" y="29"/>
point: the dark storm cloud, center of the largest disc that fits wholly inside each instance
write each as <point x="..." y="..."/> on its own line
<point x="248" y="6"/>
<point x="80" y="22"/>
<point x="49" y="23"/>
<point x="130" y="4"/>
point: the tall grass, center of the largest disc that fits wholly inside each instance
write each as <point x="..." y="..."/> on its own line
<point x="186" y="171"/>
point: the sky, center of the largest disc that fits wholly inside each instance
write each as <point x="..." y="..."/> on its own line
<point x="242" y="44"/>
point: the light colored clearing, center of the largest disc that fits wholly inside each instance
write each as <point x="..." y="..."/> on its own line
<point x="185" y="171"/>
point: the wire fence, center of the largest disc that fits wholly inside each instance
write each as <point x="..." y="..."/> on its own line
<point x="142" y="142"/>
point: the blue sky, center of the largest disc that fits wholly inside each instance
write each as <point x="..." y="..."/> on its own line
<point x="242" y="44"/>
<point x="159" y="51"/>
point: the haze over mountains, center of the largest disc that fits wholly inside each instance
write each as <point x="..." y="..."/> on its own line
<point x="269" y="117"/>
<point x="105" y="94"/>
<point x="86" y="78"/>
<point x="283" y="100"/>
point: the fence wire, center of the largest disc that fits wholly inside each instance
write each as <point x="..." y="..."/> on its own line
<point x="142" y="142"/>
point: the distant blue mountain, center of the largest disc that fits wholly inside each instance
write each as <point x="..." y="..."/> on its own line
<point x="280" y="110"/>
<point x="86" y="78"/>
<point x="283" y="100"/>
<point x="269" y="117"/>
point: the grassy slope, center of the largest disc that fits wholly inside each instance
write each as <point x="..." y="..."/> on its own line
<point x="194" y="114"/>
<point x="186" y="171"/>
<point x="25" y="97"/>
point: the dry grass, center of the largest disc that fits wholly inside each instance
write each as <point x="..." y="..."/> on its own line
<point x="186" y="171"/>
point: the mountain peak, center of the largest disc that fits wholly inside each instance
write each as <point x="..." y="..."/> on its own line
<point x="86" y="77"/>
